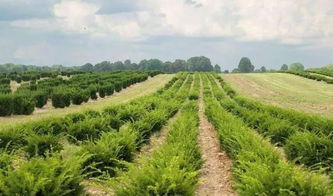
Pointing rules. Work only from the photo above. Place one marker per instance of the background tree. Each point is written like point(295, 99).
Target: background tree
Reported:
point(179, 65)
point(217, 68)
point(88, 67)
point(128, 64)
point(245, 65)
point(151, 64)
point(199, 64)
point(284, 67)
point(296, 67)
point(236, 70)
point(263, 69)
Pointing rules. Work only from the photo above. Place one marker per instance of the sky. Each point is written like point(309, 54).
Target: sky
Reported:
point(74, 32)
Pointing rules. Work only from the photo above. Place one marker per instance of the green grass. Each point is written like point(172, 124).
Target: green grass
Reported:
point(285, 90)
point(126, 95)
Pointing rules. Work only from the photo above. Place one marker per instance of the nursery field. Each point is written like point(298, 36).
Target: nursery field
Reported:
point(286, 90)
point(190, 134)
point(134, 91)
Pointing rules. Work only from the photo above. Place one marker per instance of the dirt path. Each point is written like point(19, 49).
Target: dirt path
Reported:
point(156, 140)
point(216, 174)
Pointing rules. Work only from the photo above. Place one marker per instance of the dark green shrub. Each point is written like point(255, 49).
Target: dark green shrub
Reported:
point(41, 145)
point(6, 104)
point(76, 117)
point(61, 98)
point(13, 138)
point(93, 92)
point(114, 122)
point(18, 79)
point(54, 126)
point(130, 112)
point(309, 149)
point(88, 129)
point(23, 104)
point(4, 81)
point(41, 98)
point(79, 96)
point(109, 89)
point(92, 114)
point(108, 150)
point(5, 89)
point(118, 86)
point(193, 96)
point(101, 91)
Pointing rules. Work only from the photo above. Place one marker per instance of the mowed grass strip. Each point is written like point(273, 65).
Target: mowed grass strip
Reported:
point(285, 90)
point(135, 91)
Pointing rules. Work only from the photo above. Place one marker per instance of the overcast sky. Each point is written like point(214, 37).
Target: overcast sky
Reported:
point(73, 32)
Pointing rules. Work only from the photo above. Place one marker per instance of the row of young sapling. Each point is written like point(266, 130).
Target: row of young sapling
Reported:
point(310, 75)
point(259, 167)
point(76, 90)
point(54, 156)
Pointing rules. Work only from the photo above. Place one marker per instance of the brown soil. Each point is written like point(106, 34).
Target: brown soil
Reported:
point(158, 139)
point(92, 188)
point(216, 174)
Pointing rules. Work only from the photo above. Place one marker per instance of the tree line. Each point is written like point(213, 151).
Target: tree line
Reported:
point(245, 66)
point(199, 63)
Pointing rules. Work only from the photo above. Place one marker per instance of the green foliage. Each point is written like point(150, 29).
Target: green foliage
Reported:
point(296, 67)
point(93, 92)
point(311, 150)
point(107, 153)
point(79, 96)
point(199, 63)
point(88, 129)
point(171, 170)
point(50, 176)
point(61, 98)
point(6, 105)
point(41, 145)
point(23, 104)
point(41, 98)
point(312, 76)
point(258, 168)
point(284, 67)
point(245, 65)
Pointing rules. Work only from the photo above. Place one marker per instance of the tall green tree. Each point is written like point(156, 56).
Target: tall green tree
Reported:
point(88, 67)
point(284, 67)
point(296, 67)
point(151, 64)
point(199, 63)
point(245, 65)
point(179, 65)
point(217, 68)
point(263, 69)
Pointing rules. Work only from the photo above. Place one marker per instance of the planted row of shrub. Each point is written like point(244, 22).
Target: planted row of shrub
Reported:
point(173, 168)
point(310, 149)
point(5, 89)
point(322, 72)
point(37, 94)
point(258, 168)
point(98, 147)
point(311, 76)
point(16, 104)
point(312, 123)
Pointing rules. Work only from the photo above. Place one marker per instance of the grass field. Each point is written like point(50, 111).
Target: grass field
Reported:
point(134, 91)
point(286, 90)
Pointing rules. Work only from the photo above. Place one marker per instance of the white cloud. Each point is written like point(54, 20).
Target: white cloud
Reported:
point(289, 22)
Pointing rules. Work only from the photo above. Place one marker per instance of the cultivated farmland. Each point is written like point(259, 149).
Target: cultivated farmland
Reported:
point(190, 134)
point(286, 90)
